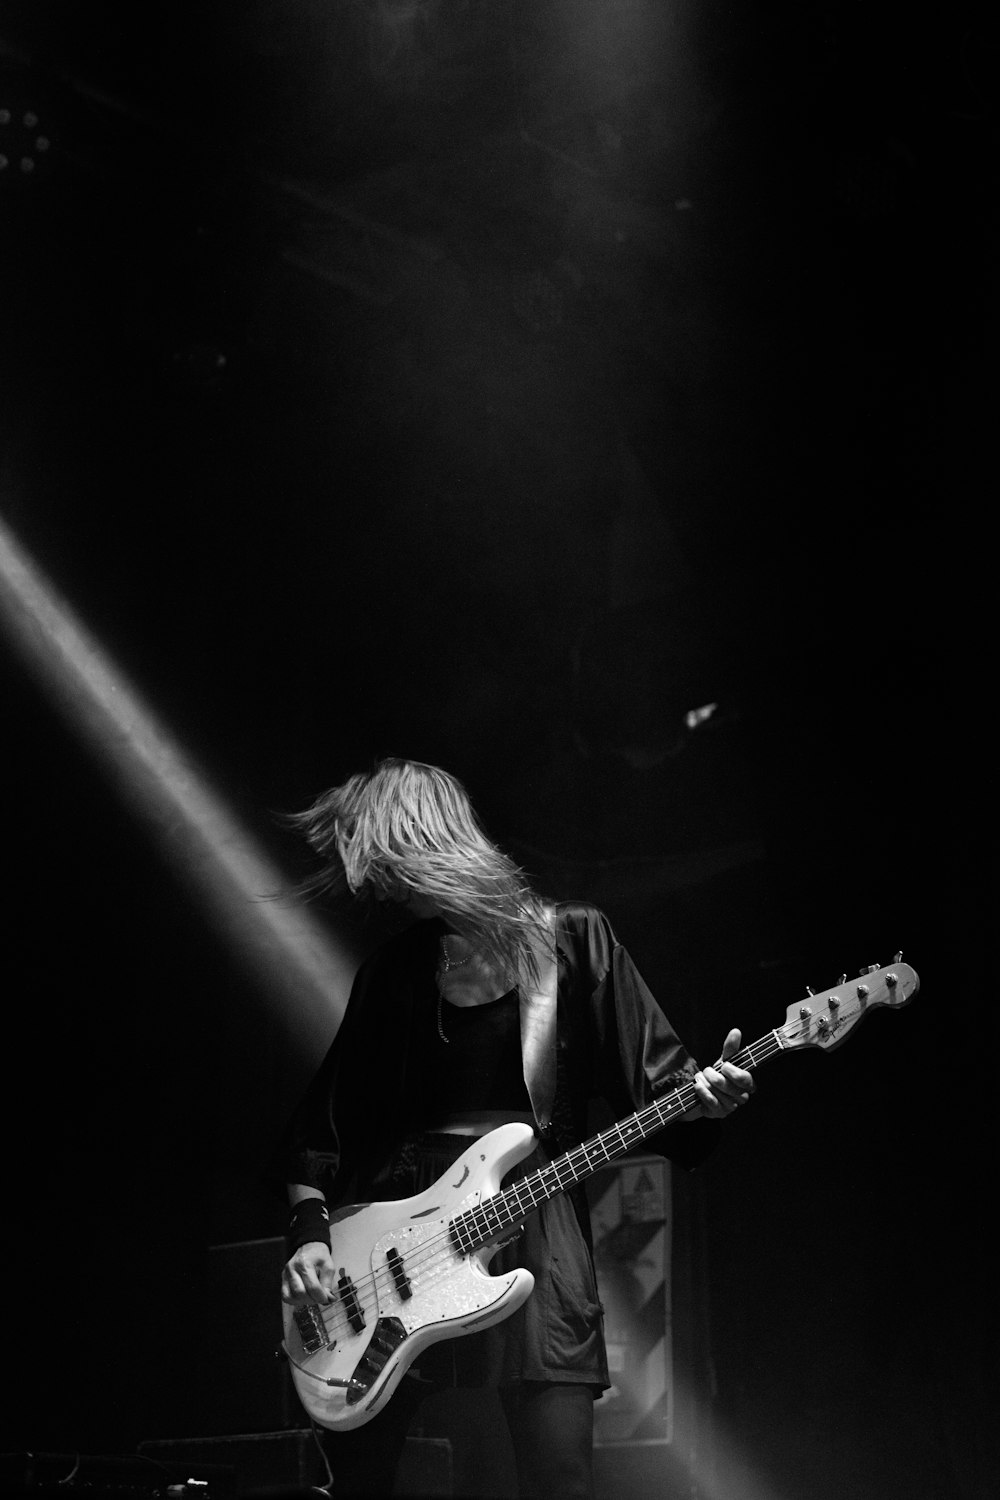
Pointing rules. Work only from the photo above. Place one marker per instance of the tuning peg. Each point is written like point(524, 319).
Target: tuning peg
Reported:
point(898, 957)
point(868, 969)
point(842, 979)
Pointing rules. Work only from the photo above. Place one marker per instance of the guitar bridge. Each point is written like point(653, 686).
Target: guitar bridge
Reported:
point(389, 1334)
point(311, 1328)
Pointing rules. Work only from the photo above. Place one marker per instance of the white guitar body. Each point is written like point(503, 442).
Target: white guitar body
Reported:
point(402, 1284)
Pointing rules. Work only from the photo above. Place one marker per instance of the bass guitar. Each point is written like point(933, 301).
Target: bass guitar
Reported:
point(414, 1271)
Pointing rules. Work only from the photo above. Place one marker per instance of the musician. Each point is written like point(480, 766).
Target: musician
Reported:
point(491, 1006)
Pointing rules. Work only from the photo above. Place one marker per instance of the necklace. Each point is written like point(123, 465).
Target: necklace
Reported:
point(444, 967)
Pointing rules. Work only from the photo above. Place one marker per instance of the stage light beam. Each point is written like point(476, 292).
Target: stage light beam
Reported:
point(289, 952)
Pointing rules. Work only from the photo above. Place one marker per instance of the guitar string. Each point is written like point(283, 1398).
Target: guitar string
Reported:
point(493, 1214)
point(506, 1209)
point(440, 1247)
point(483, 1219)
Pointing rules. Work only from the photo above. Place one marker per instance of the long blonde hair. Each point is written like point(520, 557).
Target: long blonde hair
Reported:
point(409, 828)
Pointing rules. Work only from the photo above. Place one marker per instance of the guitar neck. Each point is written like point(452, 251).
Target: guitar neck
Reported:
point(476, 1227)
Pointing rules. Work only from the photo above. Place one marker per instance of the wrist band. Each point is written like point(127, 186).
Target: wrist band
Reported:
point(310, 1221)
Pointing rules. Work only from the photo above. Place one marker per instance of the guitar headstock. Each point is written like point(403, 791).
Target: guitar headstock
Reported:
point(826, 1020)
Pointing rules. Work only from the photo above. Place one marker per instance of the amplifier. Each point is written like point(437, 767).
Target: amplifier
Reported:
point(240, 1382)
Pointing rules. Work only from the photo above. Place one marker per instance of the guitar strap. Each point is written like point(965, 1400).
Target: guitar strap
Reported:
point(538, 1028)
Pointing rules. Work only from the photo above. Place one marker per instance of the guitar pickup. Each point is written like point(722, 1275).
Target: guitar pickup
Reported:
point(397, 1270)
point(349, 1297)
point(311, 1328)
point(389, 1334)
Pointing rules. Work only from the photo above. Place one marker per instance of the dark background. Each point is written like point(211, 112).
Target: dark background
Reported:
point(493, 384)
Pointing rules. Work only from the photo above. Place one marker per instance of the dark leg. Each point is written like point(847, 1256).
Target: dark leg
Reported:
point(552, 1429)
point(364, 1461)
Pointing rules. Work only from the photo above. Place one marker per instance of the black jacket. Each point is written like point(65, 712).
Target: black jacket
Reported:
point(612, 1042)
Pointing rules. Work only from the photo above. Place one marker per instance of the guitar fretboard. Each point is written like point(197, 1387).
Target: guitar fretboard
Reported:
point(475, 1227)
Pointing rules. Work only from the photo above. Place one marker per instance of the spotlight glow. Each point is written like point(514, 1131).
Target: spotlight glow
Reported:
point(278, 939)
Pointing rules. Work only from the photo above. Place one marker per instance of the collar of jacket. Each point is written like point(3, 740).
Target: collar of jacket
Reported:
point(539, 1011)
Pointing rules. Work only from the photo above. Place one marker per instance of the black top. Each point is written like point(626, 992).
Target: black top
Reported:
point(478, 1068)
